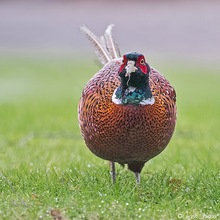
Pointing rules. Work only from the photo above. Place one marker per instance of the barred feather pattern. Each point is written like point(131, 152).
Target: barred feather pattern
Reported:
point(125, 133)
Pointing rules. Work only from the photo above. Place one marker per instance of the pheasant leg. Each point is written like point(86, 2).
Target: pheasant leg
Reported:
point(138, 177)
point(112, 171)
point(136, 167)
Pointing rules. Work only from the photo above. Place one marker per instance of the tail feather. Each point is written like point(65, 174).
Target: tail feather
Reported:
point(111, 45)
point(105, 47)
point(100, 50)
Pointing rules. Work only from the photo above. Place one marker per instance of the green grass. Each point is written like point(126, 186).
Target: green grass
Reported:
point(45, 165)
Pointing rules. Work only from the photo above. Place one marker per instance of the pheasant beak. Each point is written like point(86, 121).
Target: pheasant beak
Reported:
point(130, 68)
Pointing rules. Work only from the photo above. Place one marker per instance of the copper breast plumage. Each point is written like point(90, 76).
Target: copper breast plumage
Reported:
point(126, 133)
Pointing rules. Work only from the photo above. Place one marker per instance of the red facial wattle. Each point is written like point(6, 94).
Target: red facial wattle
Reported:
point(141, 63)
point(124, 62)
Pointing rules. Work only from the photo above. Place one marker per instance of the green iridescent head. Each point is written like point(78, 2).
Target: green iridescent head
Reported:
point(134, 88)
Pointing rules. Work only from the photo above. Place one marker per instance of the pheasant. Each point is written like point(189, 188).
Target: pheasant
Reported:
point(127, 110)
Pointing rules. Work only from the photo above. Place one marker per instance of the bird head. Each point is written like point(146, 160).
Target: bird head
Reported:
point(134, 75)
point(134, 71)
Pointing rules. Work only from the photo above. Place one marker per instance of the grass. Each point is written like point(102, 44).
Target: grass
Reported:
point(45, 165)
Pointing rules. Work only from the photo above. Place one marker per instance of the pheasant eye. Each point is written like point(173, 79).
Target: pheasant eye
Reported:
point(142, 61)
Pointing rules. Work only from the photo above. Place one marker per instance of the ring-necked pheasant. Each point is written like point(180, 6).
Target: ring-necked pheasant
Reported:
point(127, 111)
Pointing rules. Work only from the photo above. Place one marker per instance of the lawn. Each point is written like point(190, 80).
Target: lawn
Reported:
point(46, 169)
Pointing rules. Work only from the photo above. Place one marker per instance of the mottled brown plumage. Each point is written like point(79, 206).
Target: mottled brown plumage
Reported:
point(127, 134)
